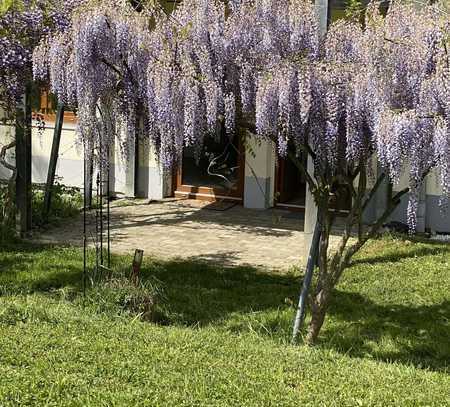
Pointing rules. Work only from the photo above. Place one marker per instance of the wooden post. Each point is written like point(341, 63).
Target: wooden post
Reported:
point(23, 165)
point(137, 262)
point(53, 160)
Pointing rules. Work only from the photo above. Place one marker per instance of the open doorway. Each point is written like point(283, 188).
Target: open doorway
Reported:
point(290, 189)
point(217, 174)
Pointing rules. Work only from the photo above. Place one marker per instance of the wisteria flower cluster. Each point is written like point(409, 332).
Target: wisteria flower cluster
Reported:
point(189, 87)
point(22, 26)
point(98, 66)
point(407, 83)
point(381, 88)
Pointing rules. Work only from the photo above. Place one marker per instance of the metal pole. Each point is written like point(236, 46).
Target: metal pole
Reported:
point(53, 160)
point(90, 176)
point(84, 224)
point(101, 167)
point(108, 211)
point(312, 259)
point(97, 254)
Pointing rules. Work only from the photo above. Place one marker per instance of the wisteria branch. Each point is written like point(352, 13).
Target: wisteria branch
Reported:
point(3, 161)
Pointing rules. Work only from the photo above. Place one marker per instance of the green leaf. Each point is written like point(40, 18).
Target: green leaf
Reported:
point(7, 5)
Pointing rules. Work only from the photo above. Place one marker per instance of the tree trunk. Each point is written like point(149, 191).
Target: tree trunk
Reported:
point(23, 165)
point(318, 311)
point(7, 226)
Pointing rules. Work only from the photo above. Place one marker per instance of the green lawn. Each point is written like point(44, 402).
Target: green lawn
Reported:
point(223, 335)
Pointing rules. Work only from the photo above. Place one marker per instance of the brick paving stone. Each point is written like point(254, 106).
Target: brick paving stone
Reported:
point(187, 229)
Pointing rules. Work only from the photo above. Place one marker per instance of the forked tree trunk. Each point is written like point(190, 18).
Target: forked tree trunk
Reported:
point(319, 307)
point(331, 269)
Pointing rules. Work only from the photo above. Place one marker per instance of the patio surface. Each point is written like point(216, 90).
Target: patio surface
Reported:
point(191, 229)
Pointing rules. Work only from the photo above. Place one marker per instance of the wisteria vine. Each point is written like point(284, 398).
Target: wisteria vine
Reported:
point(381, 88)
point(22, 26)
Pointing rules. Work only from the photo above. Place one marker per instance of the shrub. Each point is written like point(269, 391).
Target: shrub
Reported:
point(66, 203)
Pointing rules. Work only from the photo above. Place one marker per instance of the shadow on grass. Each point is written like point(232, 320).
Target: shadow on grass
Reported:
point(199, 293)
point(28, 268)
point(416, 335)
point(395, 256)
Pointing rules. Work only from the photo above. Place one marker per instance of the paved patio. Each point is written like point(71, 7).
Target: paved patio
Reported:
point(192, 229)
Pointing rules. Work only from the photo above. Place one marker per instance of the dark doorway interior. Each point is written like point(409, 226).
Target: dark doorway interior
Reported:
point(291, 185)
point(217, 172)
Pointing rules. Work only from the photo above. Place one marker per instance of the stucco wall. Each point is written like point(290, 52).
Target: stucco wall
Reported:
point(69, 169)
point(259, 182)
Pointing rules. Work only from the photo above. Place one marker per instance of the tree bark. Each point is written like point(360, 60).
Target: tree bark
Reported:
point(9, 207)
point(318, 311)
point(23, 165)
point(331, 270)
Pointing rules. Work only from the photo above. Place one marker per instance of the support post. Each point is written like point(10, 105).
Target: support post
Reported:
point(23, 165)
point(53, 160)
point(88, 177)
point(310, 212)
point(312, 227)
point(108, 208)
point(84, 225)
point(310, 205)
point(131, 171)
point(312, 260)
point(136, 269)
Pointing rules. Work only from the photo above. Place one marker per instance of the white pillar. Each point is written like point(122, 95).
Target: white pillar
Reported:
point(259, 181)
point(122, 171)
point(422, 209)
point(322, 14)
point(310, 211)
point(159, 181)
point(130, 173)
point(310, 205)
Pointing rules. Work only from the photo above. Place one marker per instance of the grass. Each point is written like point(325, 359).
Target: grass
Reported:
point(223, 339)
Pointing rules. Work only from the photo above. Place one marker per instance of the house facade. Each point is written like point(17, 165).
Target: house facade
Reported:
point(249, 174)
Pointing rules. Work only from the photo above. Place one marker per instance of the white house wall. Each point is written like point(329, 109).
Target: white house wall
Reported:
point(153, 182)
point(431, 213)
point(259, 183)
point(69, 168)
